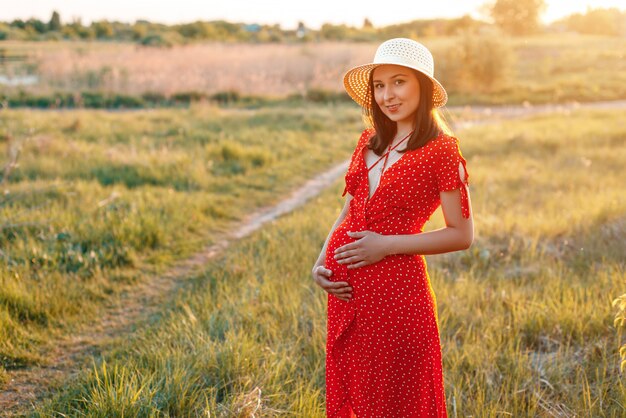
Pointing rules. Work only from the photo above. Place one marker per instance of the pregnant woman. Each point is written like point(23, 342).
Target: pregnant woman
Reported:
point(383, 352)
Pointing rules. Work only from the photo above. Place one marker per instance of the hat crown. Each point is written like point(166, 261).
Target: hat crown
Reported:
point(406, 52)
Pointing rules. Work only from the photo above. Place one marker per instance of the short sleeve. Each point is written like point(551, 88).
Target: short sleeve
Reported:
point(353, 174)
point(451, 170)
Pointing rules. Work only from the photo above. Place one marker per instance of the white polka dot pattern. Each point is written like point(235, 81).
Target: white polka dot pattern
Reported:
point(383, 353)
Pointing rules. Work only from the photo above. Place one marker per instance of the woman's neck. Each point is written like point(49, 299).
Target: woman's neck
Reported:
point(402, 130)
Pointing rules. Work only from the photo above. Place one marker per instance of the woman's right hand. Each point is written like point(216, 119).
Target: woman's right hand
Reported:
point(342, 290)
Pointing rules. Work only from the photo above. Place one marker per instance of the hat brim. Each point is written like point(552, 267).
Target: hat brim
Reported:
point(356, 81)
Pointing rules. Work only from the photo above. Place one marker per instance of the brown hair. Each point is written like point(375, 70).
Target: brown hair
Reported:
point(428, 120)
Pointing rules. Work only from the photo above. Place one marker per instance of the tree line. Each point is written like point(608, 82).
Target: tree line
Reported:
point(513, 17)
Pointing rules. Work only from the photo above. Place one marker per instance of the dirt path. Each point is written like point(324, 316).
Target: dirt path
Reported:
point(71, 354)
point(468, 116)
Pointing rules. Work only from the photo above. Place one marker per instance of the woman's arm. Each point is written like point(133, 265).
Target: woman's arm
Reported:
point(458, 234)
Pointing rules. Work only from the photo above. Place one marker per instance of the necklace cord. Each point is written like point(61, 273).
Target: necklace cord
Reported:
point(386, 155)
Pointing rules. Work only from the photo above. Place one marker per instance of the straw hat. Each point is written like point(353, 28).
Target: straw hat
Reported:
point(398, 51)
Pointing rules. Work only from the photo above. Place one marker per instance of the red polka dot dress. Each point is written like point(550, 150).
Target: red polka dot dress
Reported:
point(383, 353)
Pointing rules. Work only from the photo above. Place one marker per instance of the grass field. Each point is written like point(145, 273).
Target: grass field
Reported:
point(541, 69)
point(525, 313)
point(101, 201)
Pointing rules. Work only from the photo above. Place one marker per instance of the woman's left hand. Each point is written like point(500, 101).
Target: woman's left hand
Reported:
point(369, 248)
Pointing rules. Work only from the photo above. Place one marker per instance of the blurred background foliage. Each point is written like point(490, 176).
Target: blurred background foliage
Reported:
point(514, 17)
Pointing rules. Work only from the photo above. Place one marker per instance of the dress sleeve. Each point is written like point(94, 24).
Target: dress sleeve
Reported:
point(452, 171)
point(352, 174)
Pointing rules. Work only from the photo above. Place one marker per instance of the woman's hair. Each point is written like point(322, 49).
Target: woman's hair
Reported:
point(429, 121)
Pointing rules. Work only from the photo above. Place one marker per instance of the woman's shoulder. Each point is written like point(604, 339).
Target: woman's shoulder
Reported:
point(365, 136)
point(446, 138)
point(445, 143)
point(368, 133)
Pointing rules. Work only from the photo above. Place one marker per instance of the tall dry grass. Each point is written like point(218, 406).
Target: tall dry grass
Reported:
point(475, 69)
point(271, 69)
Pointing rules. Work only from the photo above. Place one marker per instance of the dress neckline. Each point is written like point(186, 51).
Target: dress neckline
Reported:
point(380, 182)
point(391, 166)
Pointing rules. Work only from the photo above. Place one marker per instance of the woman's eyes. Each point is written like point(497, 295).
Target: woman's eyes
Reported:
point(379, 85)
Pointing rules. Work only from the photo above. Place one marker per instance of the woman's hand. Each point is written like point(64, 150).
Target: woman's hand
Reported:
point(342, 290)
point(369, 249)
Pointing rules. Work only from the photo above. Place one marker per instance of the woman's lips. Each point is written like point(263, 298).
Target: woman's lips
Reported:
point(393, 108)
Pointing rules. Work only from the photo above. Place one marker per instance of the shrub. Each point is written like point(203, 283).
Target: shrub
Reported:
point(162, 40)
point(233, 158)
point(154, 97)
point(93, 100)
point(317, 95)
point(123, 101)
point(188, 97)
point(477, 63)
point(226, 97)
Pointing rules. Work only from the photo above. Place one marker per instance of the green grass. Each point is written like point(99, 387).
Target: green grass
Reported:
point(526, 316)
point(100, 201)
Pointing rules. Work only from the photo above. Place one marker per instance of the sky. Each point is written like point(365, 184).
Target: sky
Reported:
point(287, 13)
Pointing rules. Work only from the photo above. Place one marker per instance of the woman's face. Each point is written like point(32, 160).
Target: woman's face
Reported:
point(397, 92)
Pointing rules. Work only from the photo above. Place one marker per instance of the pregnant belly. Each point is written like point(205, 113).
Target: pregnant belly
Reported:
point(396, 271)
point(337, 239)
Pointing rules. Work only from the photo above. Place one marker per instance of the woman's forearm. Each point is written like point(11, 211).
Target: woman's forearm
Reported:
point(439, 241)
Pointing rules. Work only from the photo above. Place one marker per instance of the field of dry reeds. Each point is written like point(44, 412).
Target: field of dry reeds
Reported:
point(548, 68)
